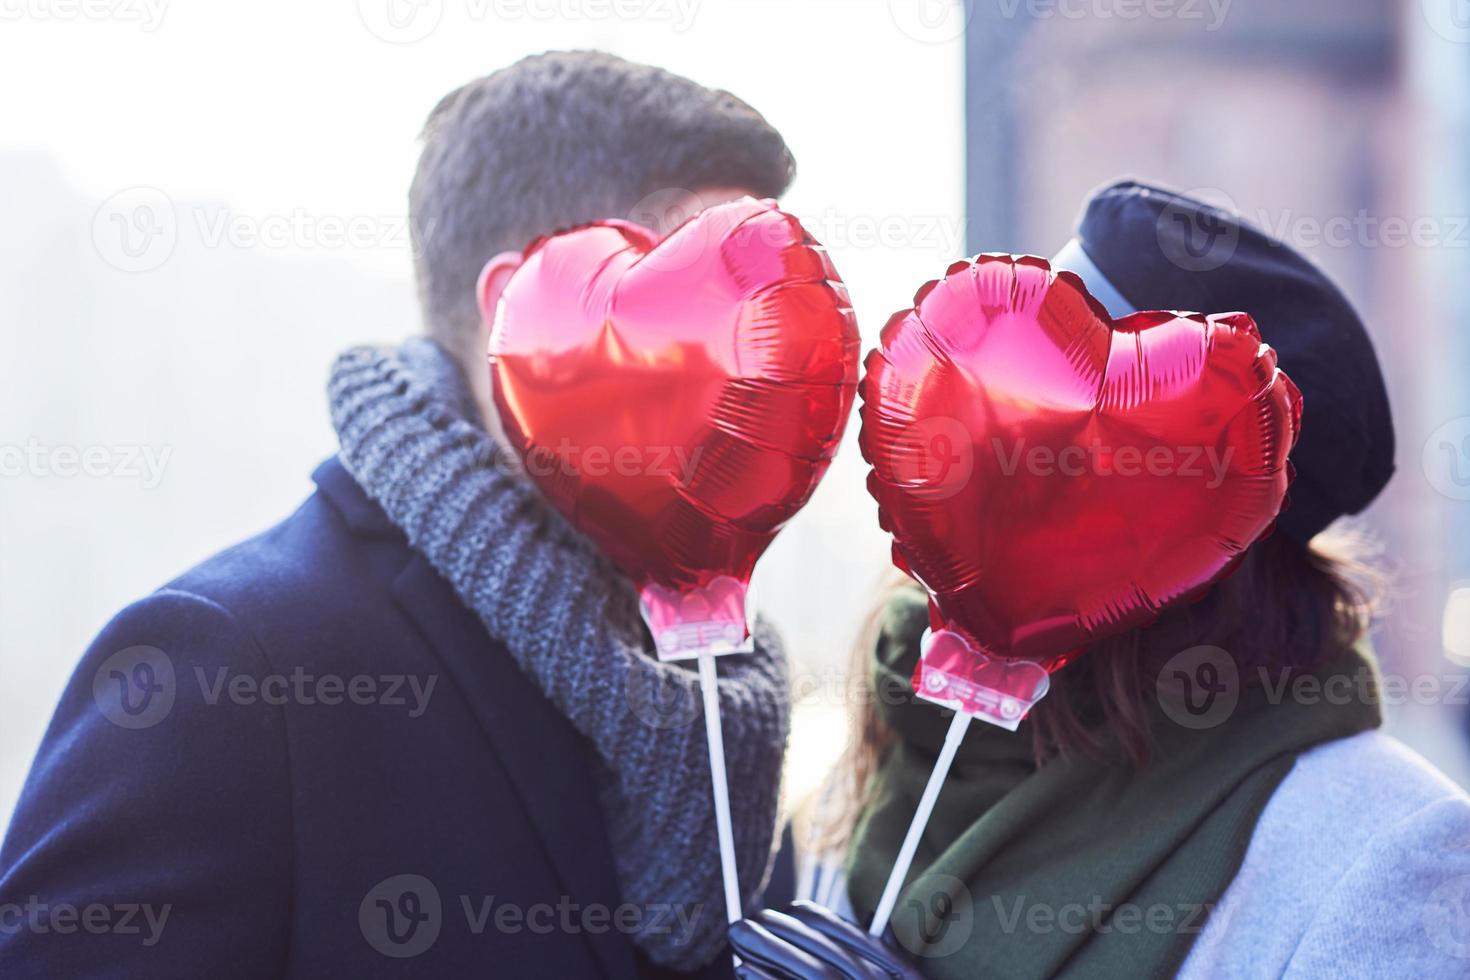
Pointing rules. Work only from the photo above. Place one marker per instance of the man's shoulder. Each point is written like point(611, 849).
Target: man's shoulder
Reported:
point(293, 557)
point(327, 570)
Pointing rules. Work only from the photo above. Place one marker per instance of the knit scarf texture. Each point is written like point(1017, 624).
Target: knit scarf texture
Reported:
point(1080, 868)
point(410, 435)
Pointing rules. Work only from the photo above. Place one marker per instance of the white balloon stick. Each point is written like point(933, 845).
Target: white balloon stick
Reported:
point(708, 684)
point(916, 828)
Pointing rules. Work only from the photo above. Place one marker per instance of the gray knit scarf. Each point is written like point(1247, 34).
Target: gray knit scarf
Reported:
point(410, 435)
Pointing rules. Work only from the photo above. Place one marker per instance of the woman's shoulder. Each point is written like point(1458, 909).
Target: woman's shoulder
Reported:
point(1382, 774)
point(1350, 869)
point(1351, 800)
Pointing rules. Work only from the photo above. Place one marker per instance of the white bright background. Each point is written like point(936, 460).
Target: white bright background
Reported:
point(252, 137)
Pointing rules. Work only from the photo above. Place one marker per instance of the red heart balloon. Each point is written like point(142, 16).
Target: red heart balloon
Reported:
point(1053, 476)
point(677, 400)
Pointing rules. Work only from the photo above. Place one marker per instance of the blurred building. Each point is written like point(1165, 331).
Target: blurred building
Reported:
point(1342, 126)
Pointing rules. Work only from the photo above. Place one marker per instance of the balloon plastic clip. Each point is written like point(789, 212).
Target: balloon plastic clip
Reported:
point(712, 619)
point(951, 672)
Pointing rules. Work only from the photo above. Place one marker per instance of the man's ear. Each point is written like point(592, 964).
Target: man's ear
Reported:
point(488, 287)
point(491, 284)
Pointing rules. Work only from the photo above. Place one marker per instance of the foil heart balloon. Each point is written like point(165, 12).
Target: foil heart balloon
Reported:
point(678, 400)
point(1053, 476)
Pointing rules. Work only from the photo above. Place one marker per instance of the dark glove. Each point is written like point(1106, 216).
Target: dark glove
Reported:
point(807, 941)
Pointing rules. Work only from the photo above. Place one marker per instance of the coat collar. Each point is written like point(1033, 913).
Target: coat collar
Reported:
point(523, 729)
point(549, 762)
point(361, 513)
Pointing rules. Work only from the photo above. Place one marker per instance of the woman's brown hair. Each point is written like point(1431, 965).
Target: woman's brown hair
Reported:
point(1285, 608)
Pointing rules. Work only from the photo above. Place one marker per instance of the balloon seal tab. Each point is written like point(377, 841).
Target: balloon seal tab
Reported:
point(953, 673)
point(710, 619)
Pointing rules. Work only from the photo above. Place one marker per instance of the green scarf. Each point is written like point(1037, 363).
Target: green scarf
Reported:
point(1079, 868)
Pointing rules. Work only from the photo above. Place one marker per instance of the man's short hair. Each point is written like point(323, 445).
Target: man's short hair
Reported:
point(557, 140)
